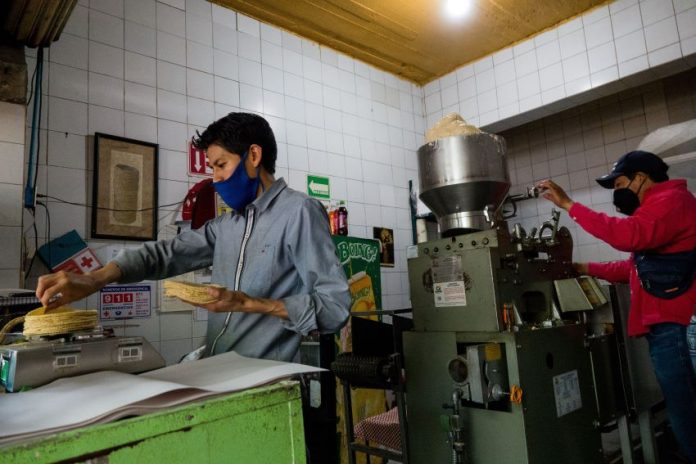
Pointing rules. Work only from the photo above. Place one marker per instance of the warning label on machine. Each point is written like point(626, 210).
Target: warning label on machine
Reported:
point(450, 293)
point(449, 284)
point(566, 390)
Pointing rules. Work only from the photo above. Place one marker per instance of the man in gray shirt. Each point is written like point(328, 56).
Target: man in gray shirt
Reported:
point(273, 255)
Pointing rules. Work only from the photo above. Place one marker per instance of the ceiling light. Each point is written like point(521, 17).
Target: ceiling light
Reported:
point(456, 9)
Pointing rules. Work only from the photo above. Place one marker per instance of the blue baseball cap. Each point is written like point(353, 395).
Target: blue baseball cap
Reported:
point(636, 161)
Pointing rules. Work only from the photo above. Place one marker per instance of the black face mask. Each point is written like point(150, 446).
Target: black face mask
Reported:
point(626, 200)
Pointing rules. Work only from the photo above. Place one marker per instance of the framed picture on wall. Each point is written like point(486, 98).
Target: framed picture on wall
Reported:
point(386, 245)
point(124, 201)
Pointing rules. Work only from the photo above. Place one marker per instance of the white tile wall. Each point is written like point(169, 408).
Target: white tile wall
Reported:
point(582, 143)
point(144, 70)
point(140, 12)
point(158, 70)
point(12, 136)
point(585, 58)
point(106, 59)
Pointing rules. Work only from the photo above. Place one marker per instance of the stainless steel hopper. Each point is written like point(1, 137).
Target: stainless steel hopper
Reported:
point(462, 177)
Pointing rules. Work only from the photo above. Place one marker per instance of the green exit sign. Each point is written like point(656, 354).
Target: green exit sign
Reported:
point(318, 187)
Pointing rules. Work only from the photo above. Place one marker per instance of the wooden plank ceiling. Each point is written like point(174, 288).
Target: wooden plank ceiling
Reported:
point(35, 23)
point(413, 38)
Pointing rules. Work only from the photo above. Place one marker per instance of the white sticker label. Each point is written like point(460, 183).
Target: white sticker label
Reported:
point(412, 252)
point(566, 390)
point(447, 269)
point(314, 393)
point(449, 293)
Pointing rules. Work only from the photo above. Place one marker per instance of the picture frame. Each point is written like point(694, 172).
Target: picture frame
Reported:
point(124, 189)
point(385, 236)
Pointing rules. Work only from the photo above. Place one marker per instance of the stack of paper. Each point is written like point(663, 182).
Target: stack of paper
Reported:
point(106, 396)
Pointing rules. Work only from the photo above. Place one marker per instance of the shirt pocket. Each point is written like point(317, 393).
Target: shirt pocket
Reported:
point(259, 273)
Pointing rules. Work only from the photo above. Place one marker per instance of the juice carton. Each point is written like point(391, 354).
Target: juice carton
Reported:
point(362, 294)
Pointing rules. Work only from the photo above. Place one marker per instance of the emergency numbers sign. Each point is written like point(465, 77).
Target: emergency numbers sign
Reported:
point(125, 302)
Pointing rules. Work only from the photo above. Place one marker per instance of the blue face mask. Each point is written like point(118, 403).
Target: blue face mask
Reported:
point(239, 189)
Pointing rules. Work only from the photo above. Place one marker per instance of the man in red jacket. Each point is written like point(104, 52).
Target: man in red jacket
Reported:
point(660, 233)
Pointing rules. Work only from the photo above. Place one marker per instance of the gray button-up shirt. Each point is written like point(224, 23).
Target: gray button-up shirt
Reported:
point(280, 249)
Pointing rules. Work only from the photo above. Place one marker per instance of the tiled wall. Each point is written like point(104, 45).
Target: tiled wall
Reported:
point(578, 145)
point(11, 191)
point(158, 70)
point(594, 54)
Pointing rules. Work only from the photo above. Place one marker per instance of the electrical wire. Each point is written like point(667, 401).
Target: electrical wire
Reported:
point(60, 200)
point(512, 201)
point(38, 137)
point(33, 79)
point(30, 188)
point(36, 245)
point(48, 224)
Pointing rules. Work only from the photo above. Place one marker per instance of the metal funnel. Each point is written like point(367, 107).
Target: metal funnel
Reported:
point(462, 176)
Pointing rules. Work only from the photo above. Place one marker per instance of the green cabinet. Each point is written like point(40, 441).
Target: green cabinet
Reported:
point(260, 425)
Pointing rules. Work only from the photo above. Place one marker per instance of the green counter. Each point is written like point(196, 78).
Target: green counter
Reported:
point(260, 425)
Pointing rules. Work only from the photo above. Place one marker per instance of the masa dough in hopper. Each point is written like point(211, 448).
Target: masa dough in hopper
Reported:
point(448, 126)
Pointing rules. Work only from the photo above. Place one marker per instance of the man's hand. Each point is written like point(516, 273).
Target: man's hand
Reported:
point(581, 268)
point(239, 302)
point(555, 194)
point(62, 287)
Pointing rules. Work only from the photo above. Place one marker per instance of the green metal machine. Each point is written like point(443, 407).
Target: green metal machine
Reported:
point(495, 373)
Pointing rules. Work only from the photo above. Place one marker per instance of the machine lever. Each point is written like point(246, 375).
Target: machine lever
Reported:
point(552, 225)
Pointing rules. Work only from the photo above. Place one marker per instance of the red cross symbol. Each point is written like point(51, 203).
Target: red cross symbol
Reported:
point(86, 262)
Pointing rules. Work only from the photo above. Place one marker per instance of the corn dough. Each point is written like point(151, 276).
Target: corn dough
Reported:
point(448, 126)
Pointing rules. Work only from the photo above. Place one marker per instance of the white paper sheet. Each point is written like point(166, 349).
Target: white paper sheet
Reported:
point(103, 396)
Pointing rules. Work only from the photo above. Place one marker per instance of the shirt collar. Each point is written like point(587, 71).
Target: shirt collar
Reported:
point(666, 185)
point(264, 201)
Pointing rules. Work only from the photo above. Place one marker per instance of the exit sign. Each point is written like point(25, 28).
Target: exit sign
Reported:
point(318, 187)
